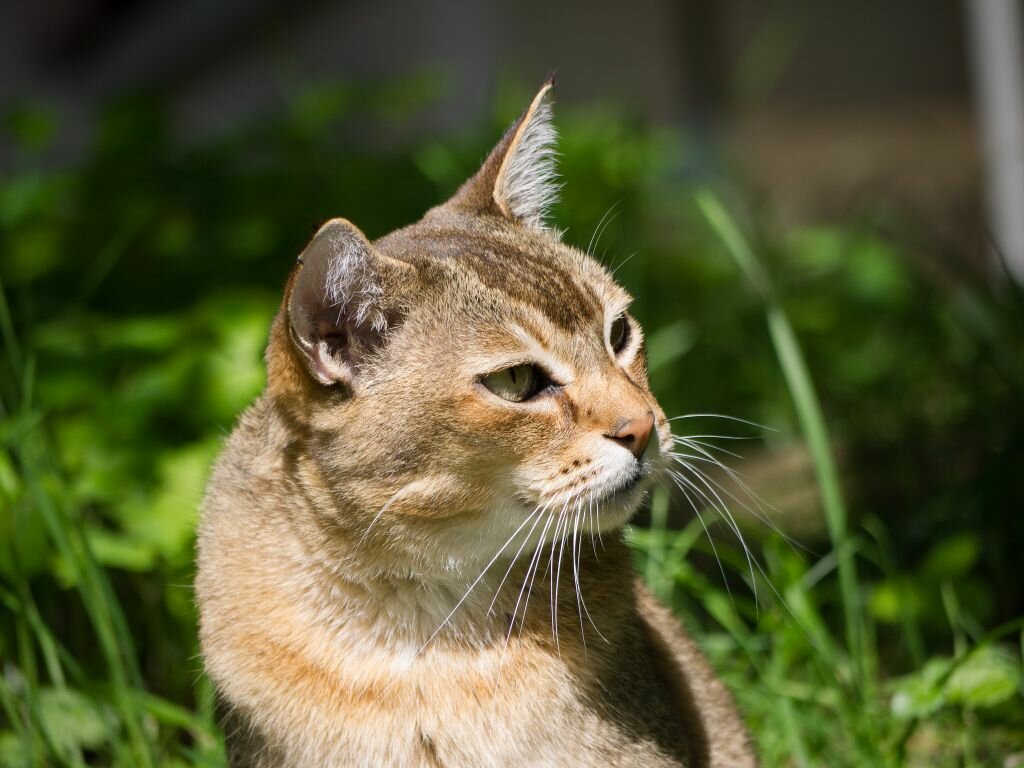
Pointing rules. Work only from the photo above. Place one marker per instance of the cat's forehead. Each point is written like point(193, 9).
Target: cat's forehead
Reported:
point(509, 270)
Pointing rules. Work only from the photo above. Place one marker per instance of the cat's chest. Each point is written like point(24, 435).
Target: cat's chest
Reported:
point(516, 706)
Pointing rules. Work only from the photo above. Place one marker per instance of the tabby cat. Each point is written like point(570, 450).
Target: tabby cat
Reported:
point(410, 551)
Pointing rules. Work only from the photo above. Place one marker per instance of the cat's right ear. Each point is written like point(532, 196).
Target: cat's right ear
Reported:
point(339, 308)
point(517, 180)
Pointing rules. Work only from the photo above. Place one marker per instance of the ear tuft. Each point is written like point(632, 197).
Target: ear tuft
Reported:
point(337, 308)
point(518, 179)
point(349, 281)
point(526, 186)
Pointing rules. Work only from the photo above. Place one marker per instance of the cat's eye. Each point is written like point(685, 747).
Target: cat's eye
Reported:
point(518, 383)
point(619, 333)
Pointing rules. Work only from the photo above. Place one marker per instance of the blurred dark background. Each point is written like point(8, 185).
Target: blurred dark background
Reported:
point(162, 163)
point(824, 104)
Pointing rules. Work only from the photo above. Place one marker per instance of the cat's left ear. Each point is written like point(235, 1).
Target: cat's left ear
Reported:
point(342, 301)
point(518, 178)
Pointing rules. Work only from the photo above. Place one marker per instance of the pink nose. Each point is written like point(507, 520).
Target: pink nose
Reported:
point(634, 434)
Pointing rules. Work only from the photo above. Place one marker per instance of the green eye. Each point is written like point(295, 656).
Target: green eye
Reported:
point(618, 335)
point(516, 384)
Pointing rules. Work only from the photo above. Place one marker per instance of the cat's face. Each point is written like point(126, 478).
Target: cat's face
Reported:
point(470, 381)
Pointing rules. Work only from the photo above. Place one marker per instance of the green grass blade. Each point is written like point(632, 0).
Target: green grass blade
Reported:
point(100, 607)
point(658, 569)
point(808, 409)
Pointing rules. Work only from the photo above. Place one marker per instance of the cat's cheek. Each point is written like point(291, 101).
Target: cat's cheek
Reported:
point(476, 415)
point(516, 425)
point(637, 370)
point(664, 428)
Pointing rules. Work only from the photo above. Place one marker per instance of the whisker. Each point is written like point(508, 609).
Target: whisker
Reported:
point(558, 578)
point(473, 585)
point(592, 516)
point(622, 263)
point(733, 474)
point(576, 572)
point(759, 504)
point(515, 558)
point(533, 577)
point(779, 597)
point(727, 514)
point(717, 437)
point(687, 486)
point(376, 517)
point(599, 229)
point(706, 458)
point(583, 602)
point(691, 443)
point(707, 532)
point(710, 504)
point(532, 567)
point(723, 416)
point(548, 569)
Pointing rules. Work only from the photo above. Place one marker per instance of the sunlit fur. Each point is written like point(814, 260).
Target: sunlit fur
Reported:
point(399, 567)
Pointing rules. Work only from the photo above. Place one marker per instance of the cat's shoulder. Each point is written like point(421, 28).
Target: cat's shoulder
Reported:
point(704, 701)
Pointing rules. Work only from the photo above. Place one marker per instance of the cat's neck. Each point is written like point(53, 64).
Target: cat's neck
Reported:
point(552, 591)
point(300, 555)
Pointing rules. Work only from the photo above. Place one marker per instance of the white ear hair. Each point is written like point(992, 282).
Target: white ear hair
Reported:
point(337, 273)
point(335, 306)
point(526, 187)
point(349, 282)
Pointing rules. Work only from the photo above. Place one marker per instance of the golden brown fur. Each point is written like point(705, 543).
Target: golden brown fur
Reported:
point(398, 567)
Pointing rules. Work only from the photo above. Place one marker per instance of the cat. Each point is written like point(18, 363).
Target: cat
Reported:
point(456, 419)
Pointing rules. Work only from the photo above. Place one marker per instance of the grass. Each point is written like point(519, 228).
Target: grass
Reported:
point(892, 640)
point(805, 401)
point(816, 696)
point(51, 717)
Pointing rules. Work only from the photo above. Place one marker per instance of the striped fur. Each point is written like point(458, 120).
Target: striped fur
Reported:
point(397, 567)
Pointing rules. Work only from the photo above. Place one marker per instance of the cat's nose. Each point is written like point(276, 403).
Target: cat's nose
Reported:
point(634, 434)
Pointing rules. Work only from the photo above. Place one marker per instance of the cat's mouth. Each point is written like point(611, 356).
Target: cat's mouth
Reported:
point(631, 483)
point(607, 501)
point(617, 504)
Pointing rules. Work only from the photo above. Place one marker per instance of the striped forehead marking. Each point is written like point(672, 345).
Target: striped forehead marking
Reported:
point(537, 281)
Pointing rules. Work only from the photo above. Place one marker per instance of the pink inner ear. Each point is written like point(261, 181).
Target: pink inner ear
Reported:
point(327, 365)
point(333, 333)
point(331, 347)
point(338, 344)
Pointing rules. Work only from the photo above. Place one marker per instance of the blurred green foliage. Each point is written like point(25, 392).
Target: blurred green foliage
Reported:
point(136, 291)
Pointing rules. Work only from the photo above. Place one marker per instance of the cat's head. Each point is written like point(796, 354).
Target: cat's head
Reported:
point(463, 378)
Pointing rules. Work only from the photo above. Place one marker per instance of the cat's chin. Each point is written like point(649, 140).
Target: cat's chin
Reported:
point(615, 509)
point(608, 511)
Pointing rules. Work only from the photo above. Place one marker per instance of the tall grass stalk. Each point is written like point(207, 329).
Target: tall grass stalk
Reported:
point(102, 607)
point(809, 413)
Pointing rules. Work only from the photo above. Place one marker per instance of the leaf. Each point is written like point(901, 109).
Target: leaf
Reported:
point(32, 126)
point(10, 484)
point(669, 343)
point(233, 368)
point(73, 721)
point(32, 253)
point(12, 750)
point(820, 248)
point(155, 334)
point(989, 677)
point(119, 551)
point(166, 519)
point(920, 694)
point(952, 557)
point(876, 274)
point(24, 545)
point(895, 599)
